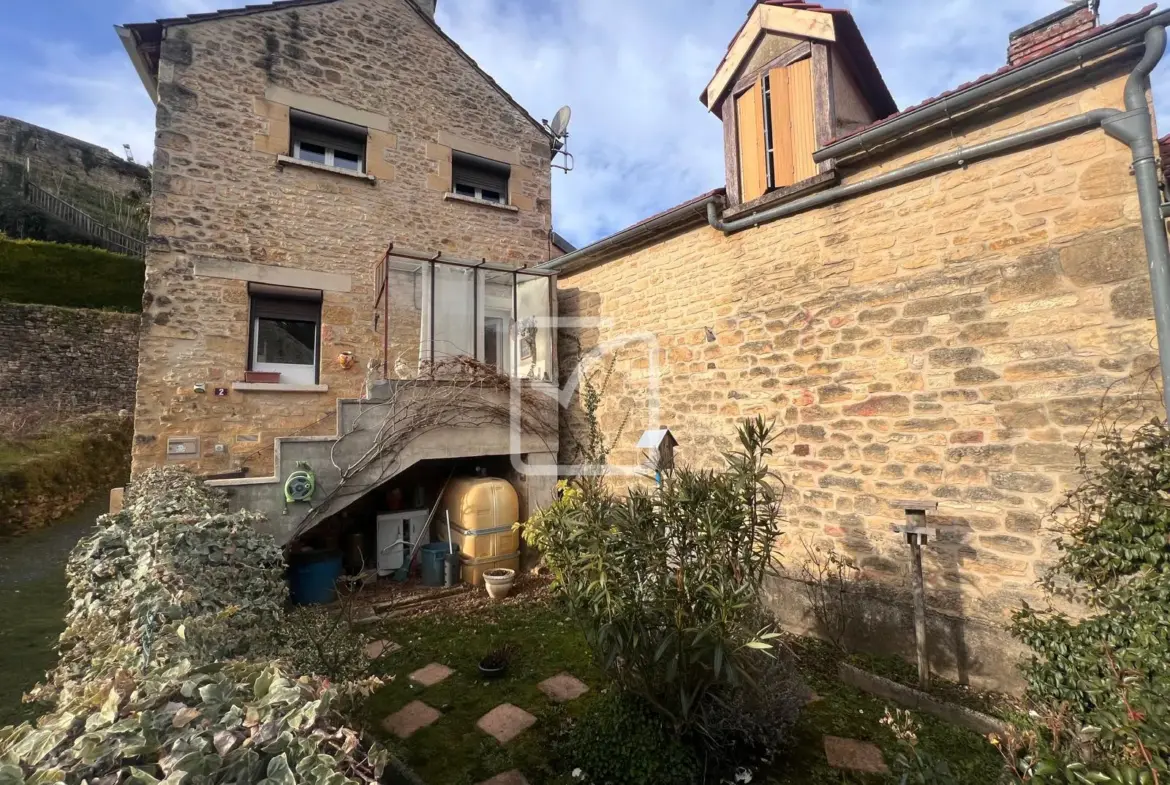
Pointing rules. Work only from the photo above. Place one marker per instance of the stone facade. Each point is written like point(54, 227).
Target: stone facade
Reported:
point(951, 339)
point(74, 359)
point(228, 209)
point(58, 161)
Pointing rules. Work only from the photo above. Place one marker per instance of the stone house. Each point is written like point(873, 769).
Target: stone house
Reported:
point(317, 162)
point(937, 304)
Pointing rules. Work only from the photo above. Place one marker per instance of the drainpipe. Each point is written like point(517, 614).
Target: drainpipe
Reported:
point(958, 158)
point(1134, 127)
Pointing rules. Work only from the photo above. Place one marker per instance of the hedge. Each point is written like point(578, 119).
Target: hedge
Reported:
point(70, 276)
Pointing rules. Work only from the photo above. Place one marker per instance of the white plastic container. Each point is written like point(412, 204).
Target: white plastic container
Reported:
point(397, 532)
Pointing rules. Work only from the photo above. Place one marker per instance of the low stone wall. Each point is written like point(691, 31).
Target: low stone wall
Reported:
point(82, 360)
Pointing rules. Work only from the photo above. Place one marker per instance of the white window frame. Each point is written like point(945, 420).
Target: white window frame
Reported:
point(330, 152)
point(479, 194)
point(290, 373)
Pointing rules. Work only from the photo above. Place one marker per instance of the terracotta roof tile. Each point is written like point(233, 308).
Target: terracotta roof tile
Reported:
point(1084, 36)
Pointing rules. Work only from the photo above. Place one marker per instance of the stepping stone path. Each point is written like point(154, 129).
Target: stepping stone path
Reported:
point(854, 755)
point(507, 778)
point(505, 722)
point(375, 649)
point(563, 687)
point(431, 675)
point(415, 716)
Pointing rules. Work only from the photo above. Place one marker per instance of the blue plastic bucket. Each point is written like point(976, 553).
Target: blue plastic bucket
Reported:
point(434, 558)
point(313, 577)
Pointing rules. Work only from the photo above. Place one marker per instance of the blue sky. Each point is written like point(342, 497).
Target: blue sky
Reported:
point(631, 69)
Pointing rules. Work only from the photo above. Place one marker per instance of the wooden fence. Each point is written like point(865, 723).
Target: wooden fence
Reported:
point(109, 238)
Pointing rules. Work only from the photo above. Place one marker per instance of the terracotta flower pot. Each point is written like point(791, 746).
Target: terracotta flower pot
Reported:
point(499, 582)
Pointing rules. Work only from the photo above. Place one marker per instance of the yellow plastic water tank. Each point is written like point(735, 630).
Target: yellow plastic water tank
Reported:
point(483, 512)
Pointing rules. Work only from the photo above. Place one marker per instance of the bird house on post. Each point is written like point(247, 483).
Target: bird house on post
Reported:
point(659, 445)
point(918, 534)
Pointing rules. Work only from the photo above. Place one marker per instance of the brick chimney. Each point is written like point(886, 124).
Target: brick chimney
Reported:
point(1053, 32)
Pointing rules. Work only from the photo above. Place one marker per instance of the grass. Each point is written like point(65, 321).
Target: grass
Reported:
point(70, 276)
point(453, 751)
point(31, 617)
point(50, 469)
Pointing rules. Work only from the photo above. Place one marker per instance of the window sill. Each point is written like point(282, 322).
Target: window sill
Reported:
point(511, 208)
point(282, 388)
point(781, 195)
point(288, 160)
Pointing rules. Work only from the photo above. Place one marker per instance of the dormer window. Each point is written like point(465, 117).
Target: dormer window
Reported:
point(795, 77)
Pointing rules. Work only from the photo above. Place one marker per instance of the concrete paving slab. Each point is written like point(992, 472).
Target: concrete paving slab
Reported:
point(505, 722)
point(430, 675)
point(563, 687)
point(854, 755)
point(411, 718)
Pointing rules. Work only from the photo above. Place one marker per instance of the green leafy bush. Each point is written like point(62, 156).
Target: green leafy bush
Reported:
point(170, 669)
point(70, 276)
point(667, 583)
point(172, 576)
point(1106, 676)
point(622, 741)
point(323, 641)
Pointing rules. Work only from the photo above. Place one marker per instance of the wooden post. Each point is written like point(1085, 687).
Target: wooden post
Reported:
point(917, 534)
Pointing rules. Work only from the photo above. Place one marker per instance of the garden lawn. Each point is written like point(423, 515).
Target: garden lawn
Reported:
point(452, 751)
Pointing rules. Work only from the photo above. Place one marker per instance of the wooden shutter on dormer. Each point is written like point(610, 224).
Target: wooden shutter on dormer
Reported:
point(753, 168)
point(794, 136)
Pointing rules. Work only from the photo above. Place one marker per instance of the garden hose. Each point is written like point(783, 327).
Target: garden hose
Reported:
point(300, 485)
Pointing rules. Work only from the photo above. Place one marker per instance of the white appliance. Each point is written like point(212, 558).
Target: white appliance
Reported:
point(397, 533)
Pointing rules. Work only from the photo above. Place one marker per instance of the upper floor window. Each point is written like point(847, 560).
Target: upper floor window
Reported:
point(776, 124)
point(479, 178)
point(322, 140)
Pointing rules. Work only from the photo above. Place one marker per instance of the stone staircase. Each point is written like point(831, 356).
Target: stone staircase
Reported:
point(361, 452)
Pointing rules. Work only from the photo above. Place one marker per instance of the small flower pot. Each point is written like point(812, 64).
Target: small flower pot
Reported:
point(499, 582)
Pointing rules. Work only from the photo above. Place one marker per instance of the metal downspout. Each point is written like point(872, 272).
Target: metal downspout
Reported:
point(957, 158)
point(1134, 127)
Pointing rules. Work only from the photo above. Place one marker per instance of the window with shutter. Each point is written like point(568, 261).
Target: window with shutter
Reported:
point(776, 125)
point(479, 178)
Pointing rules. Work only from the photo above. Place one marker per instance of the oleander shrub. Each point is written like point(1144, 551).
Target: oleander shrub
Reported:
point(667, 582)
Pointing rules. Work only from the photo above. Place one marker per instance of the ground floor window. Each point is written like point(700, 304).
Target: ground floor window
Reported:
point(285, 333)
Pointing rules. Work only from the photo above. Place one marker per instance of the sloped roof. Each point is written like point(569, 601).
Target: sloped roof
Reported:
point(1007, 69)
point(149, 34)
point(849, 41)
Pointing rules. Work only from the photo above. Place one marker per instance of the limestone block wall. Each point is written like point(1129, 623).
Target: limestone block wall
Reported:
point(70, 358)
point(952, 339)
point(226, 211)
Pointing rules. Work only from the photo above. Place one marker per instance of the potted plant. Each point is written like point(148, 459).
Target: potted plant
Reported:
point(495, 664)
point(499, 582)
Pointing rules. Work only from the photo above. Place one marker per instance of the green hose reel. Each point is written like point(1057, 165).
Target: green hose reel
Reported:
point(300, 485)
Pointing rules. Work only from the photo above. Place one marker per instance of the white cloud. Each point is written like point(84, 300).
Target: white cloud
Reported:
point(632, 72)
point(96, 98)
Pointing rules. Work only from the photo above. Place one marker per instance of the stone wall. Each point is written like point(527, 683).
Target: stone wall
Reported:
point(952, 339)
point(58, 161)
point(226, 210)
point(81, 360)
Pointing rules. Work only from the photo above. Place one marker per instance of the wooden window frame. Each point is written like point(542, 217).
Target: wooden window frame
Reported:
point(823, 108)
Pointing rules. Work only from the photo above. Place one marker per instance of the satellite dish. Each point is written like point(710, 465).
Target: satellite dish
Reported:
point(560, 122)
